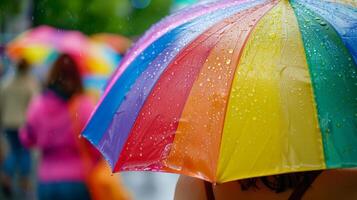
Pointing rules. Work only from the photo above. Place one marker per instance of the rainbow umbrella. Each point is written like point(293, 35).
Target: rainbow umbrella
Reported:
point(117, 42)
point(233, 89)
point(179, 4)
point(35, 45)
point(41, 46)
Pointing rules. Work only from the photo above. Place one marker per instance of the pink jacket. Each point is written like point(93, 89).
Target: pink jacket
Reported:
point(50, 128)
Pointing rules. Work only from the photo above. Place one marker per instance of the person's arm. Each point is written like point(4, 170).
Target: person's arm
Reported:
point(28, 133)
point(27, 136)
point(1, 108)
point(189, 188)
point(1, 129)
point(35, 87)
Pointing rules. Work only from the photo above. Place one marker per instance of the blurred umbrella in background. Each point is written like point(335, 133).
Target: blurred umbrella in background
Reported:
point(233, 89)
point(41, 46)
point(119, 43)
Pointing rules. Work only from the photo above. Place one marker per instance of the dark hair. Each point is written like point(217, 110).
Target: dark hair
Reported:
point(299, 181)
point(23, 66)
point(64, 77)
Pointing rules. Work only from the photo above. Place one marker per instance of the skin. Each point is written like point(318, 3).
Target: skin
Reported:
point(330, 185)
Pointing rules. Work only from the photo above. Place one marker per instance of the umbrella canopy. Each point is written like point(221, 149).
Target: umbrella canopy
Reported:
point(117, 42)
point(179, 4)
point(41, 46)
point(233, 89)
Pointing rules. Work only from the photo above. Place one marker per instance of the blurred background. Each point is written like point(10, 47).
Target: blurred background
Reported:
point(30, 30)
point(129, 18)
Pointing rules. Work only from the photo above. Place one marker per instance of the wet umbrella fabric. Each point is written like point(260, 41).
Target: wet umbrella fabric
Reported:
point(233, 89)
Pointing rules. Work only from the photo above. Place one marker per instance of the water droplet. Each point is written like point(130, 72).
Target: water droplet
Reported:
point(323, 23)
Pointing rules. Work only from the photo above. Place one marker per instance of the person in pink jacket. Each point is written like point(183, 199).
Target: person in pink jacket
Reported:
point(53, 124)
